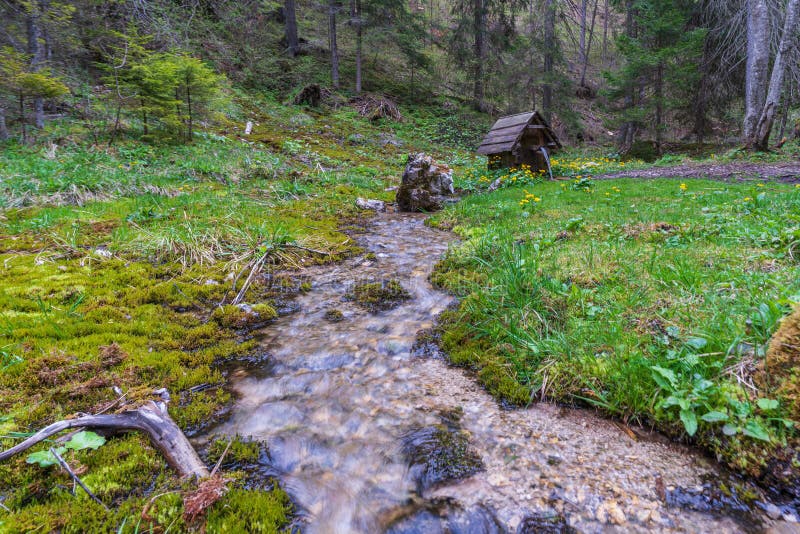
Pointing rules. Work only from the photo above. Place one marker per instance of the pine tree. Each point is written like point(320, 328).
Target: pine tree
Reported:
point(17, 79)
point(660, 61)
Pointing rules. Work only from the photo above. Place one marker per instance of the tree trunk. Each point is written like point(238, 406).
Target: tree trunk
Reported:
point(479, 27)
point(152, 419)
point(292, 41)
point(788, 40)
point(333, 43)
point(627, 132)
point(588, 46)
point(582, 36)
point(190, 129)
point(606, 14)
point(549, 57)
point(22, 118)
point(659, 96)
point(355, 16)
point(3, 129)
point(35, 53)
point(757, 65)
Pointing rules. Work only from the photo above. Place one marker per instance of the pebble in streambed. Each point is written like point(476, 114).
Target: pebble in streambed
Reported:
point(354, 421)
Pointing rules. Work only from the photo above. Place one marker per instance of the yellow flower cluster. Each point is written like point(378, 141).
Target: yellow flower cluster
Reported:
point(684, 187)
point(529, 197)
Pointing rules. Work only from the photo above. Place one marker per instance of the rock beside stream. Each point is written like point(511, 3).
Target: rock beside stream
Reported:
point(438, 454)
point(426, 184)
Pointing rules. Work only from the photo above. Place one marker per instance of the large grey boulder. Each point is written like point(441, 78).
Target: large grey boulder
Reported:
point(425, 186)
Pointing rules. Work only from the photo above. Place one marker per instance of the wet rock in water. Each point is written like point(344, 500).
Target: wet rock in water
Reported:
point(445, 517)
point(438, 454)
point(425, 186)
point(334, 316)
point(379, 296)
point(728, 498)
point(545, 524)
point(370, 204)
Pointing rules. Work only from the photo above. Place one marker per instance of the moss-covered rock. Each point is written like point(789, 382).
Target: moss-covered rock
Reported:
point(439, 454)
point(334, 316)
point(379, 296)
point(781, 370)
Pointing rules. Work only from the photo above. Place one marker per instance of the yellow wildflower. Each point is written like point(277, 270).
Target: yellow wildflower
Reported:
point(684, 187)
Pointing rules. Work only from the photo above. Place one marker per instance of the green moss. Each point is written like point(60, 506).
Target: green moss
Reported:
point(377, 296)
point(241, 451)
point(241, 317)
point(249, 511)
point(334, 315)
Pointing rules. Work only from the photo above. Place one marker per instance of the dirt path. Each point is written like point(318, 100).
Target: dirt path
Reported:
point(784, 172)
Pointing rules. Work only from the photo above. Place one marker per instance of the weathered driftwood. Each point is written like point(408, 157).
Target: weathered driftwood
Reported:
point(151, 418)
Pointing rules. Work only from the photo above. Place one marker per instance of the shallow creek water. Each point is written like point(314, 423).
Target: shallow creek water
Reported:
point(339, 399)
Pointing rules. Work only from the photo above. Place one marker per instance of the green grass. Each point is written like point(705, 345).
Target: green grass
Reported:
point(647, 299)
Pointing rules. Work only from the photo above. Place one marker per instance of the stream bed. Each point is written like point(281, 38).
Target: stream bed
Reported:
point(368, 436)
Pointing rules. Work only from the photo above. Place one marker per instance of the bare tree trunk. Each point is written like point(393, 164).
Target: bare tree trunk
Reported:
point(479, 27)
point(582, 36)
point(355, 16)
point(22, 118)
point(292, 41)
point(35, 53)
point(788, 41)
point(190, 130)
point(757, 65)
point(334, 45)
point(549, 57)
point(627, 132)
point(3, 129)
point(606, 14)
point(659, 96)
point(588, 46)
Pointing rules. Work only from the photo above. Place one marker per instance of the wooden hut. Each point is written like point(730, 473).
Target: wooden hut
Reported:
point(519, 139)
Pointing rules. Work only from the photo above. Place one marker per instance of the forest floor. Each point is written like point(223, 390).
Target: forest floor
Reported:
point(120, 267)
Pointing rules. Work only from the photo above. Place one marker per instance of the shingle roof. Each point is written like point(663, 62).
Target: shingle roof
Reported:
point(507, 131)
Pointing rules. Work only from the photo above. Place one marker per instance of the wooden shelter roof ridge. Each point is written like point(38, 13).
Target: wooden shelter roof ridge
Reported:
point(507, 132)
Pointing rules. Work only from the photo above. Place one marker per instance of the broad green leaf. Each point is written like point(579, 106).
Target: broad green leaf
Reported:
point(85, 440)
point(661, 373)
point(730, 430)
point(689, 420)
point(673, 331)
point(44, 458)
point(714, 417)
point(696, 343)
point(754, 430)
point(767, 404)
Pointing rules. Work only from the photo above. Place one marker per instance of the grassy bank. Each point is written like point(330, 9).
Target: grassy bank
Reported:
point(651, 300)
point(119, 266)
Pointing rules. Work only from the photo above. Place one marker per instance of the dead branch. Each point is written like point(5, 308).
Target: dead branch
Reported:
point(63, 463)
point(151, 418)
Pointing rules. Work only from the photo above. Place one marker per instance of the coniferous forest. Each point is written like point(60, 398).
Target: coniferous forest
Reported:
point(388, 266)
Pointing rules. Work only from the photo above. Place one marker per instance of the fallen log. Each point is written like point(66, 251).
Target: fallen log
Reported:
point(151, 418)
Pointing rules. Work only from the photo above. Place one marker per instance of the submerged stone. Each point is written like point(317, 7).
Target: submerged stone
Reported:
point(447, 518)
point(439, 454)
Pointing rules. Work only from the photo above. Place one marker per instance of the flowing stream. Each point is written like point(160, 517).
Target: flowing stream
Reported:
point(342, 403)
